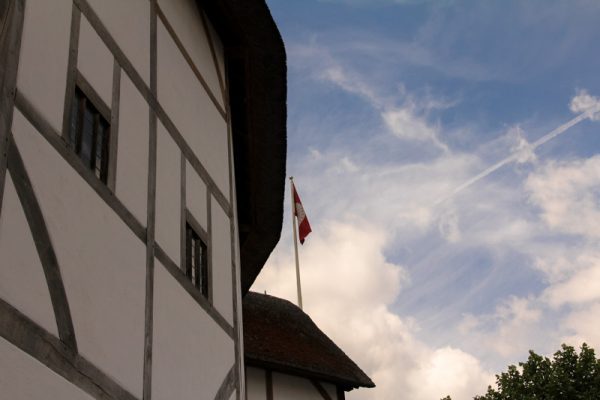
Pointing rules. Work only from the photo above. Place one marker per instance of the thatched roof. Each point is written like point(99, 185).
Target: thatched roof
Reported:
point(281, 337)
point(256, 73)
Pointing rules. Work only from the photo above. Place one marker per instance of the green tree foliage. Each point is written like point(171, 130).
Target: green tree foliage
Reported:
point(567, 376)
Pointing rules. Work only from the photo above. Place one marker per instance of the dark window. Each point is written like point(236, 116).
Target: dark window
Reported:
point(196, 267)
point(89, 134)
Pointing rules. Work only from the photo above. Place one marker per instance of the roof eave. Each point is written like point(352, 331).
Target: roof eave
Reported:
point(345, 384)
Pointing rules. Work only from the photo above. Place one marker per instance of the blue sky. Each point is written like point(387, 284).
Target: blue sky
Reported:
point(392, 105)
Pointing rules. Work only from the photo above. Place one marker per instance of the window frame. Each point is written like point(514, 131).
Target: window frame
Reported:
point(83, 92)
point(198, 274)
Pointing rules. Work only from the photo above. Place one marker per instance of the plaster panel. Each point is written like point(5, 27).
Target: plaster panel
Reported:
point(331, 389)
point(221, 262)
point(128, 22)
point(168, 194)
point(22, 280)
point(192, 111)
point(256, 388)
point(24, 378)
point(191, 354)
point(132, 152)
point(195, 193)
point(290, 387)
point(95, 61)
point(184, 17)
point(219, 52)
point(102, 261)
point(42, 74)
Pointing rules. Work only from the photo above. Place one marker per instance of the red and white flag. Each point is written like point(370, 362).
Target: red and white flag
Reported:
point(303, 224)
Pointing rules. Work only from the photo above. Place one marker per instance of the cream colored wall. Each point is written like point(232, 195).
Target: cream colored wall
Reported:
point(22, 269)
point(184, 16)
point(195, 193)
point(44, 54)
point(23, 378)
point(132, 152)
point(128, 22)
point(168, 194)
point(95, 61)
point(284, 386)
point(191, 355)
point(256, 388)
point(102, 262)
point(189, 106)
point(205, 130)
point(290, 387)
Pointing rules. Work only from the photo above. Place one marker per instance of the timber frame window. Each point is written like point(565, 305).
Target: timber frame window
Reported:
point(89, 134)
point(196, 260)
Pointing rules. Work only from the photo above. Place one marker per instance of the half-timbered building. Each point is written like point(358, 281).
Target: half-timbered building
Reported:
point(288, 357)
point(142, 166)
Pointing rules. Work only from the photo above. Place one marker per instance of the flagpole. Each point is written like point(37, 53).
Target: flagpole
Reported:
point(298, 287)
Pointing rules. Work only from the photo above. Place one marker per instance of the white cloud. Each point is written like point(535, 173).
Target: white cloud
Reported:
point(521, 148)
point(348, 287)
point(585, 327)
point(407, 121)
point(568, 195)
point(406, 124)
point(337, 75)
point(361, 211)
point(448, 371)
point(397, 198)
point(509, 331)
point(583, 102)
point(582, 287)
point(448, 226)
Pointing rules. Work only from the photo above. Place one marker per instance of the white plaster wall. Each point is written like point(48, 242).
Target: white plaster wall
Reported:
point(195, 194)
point(102, 262)
point(42, 74)
point(219, 52)
point(191, 354)
point(256, 388)
point(22, 280)
point(132, 152)
point(184, 17)
point(221, 262)
point(331, 389)
point(191, 110)
point(290, 387)
point(168, 194)
point(128, 22)
point(24, 378)
point(95, 61)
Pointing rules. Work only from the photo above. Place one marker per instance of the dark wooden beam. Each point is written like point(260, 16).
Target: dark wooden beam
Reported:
point(43, 244)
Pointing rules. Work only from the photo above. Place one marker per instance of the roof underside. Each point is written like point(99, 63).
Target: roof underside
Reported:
point(256, 74)
point(280, 336)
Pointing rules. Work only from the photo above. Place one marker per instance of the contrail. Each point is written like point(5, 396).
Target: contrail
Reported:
point(547, 137)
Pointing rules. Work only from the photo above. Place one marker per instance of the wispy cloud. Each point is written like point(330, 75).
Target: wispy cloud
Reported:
point(388, 273)
point(563, 247)
point(405, 121)
point(404, 117)
point(587, 105)
point(361, 210)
